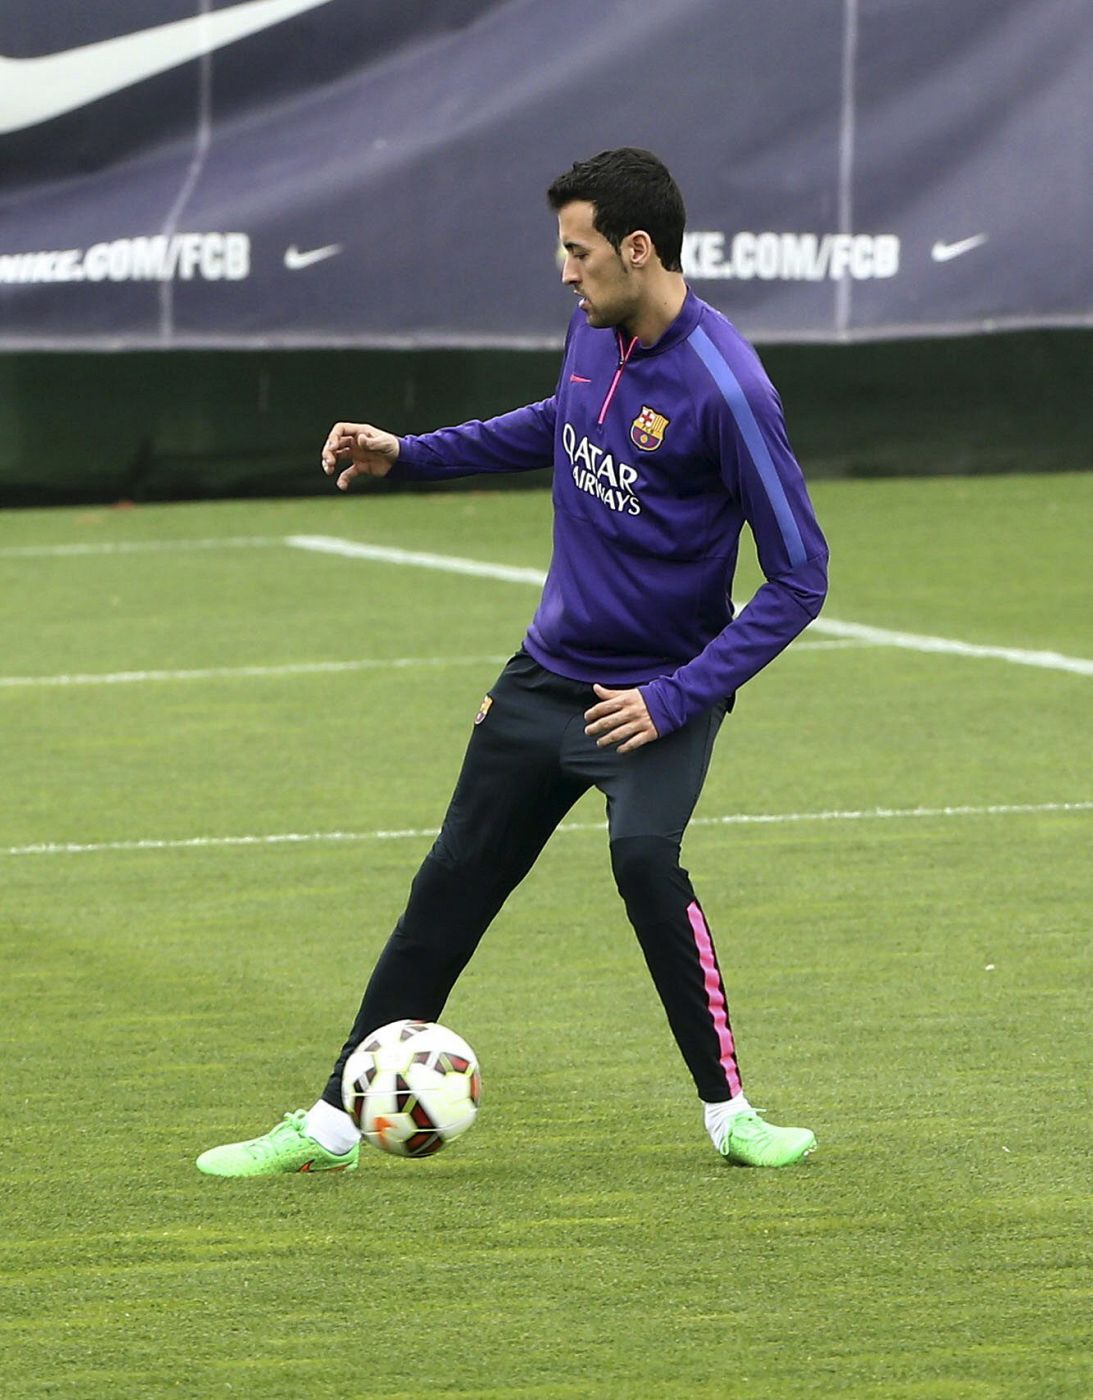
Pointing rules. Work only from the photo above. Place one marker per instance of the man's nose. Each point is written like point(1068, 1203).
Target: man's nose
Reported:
point(570, 275)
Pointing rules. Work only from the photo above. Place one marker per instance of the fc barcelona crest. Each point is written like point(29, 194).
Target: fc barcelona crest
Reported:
point(647, 429)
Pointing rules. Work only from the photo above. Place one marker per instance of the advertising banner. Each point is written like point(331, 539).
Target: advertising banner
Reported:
point(249, 173)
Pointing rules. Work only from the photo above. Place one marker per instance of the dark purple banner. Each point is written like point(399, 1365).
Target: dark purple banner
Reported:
point(243, 173)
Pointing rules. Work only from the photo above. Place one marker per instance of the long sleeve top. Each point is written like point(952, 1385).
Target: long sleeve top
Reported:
point(661, 454)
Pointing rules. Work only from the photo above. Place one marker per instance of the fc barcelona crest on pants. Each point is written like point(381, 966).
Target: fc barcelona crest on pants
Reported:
point(647, 429)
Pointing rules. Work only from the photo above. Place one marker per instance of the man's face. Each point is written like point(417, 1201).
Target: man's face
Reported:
point(593, 269)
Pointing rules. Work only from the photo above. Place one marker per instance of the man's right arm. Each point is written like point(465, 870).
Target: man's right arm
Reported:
point(518, 441)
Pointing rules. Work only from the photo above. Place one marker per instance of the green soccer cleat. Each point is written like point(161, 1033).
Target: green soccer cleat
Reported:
point(751, 1142)
point(285, 1148)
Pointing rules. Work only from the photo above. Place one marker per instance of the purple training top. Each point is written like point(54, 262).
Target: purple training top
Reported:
point(660, 455)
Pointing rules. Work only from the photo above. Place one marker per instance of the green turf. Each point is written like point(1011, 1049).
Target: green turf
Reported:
point(912, 988)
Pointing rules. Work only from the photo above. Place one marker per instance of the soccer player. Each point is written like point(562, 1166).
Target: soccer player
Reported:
point(665, 436)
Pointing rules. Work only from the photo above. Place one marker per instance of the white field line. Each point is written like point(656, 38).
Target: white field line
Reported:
point(50, 551)
point(915, 641)
point(446, 563)
point(305, 838)
point(875, 636)
point(328, 544)
point(297, 668)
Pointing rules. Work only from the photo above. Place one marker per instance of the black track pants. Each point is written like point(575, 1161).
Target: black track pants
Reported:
point(527, 763)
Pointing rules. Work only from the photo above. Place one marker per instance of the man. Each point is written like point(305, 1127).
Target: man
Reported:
point(666, 437)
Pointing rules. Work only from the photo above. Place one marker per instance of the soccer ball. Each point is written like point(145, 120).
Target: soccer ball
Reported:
point(411, 1087)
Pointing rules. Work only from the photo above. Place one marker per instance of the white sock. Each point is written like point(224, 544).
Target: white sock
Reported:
point(331, 1127)
point(719, 1115)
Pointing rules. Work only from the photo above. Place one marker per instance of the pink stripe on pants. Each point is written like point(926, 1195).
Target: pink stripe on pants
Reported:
point(715, 996)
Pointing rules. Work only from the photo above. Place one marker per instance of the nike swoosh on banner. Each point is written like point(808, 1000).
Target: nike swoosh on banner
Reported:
point(34, 90)
point(295, 260)
point(944, 252)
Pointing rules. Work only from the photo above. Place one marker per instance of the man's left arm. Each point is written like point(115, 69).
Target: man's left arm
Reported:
point(759, 467)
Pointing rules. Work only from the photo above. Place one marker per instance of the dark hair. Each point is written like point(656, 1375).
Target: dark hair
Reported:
point(630, 189)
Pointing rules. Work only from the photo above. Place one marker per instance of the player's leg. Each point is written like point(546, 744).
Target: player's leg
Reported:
point(651, 794)
point(510, 796)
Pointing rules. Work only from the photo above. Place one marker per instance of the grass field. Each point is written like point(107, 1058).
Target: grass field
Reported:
point(906, 943)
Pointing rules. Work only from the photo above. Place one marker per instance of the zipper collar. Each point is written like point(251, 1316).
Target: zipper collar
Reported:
point(630, 348)
point(680, 328)
point(626, 349)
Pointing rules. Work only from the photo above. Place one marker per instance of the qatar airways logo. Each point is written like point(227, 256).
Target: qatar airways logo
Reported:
point(596, 472)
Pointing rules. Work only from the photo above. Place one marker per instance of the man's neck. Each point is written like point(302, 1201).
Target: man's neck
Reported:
point(659, 309)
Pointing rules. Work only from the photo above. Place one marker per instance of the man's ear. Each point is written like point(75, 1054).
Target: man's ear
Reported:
point(637, 249)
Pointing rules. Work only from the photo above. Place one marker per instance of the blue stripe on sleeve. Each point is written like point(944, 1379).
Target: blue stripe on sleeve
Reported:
point(756, 444)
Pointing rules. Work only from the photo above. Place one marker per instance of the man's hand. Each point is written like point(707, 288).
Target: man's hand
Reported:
point(368, 451)
point(620, 718)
